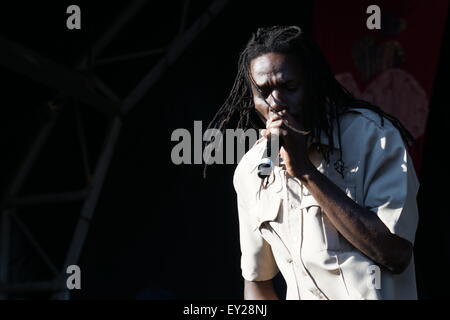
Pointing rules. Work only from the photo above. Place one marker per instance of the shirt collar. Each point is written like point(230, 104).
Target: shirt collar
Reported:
point(260, 144)
point(324, 139)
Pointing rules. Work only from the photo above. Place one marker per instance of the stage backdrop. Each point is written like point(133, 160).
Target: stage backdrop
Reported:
point(393, 67)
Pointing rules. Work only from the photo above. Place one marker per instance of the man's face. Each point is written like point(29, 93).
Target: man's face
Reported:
point(278, 78)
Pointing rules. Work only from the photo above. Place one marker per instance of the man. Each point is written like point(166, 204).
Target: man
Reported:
point(337, 216)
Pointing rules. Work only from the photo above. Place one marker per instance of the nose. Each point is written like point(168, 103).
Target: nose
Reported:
point(275, 101)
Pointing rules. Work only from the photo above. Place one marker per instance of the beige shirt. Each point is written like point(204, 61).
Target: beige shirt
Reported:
point(282, 228)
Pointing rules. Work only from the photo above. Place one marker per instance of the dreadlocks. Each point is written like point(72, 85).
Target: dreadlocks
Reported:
point(329, 98)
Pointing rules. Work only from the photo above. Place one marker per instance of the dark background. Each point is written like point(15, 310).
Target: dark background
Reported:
point(161, 230)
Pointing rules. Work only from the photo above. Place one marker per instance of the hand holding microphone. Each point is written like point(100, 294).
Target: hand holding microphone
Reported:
point(285, 135)
point(272, 133)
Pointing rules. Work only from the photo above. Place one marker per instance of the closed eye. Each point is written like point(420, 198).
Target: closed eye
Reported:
point(263, 91)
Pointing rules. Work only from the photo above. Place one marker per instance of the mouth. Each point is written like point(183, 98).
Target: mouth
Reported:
point(277, 110)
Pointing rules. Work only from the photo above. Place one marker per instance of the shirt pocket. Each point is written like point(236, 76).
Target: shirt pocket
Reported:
point(318, 232)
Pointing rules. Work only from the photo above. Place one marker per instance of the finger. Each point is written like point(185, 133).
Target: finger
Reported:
point(273, 117)
point(282, 112)
point(275, 124)
point(276, 131)
point(282, 115)
point(264, 132)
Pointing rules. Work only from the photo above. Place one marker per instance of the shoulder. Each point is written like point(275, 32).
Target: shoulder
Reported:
point(364, 127)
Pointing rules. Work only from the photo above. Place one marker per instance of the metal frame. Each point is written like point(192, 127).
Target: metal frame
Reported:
point(75, 85)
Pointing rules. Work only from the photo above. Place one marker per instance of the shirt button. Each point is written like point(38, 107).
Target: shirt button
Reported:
point(293, 205)
point(336, 272)
point(289, 260)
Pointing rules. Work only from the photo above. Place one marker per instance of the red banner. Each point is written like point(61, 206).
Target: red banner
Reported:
point(393, 67)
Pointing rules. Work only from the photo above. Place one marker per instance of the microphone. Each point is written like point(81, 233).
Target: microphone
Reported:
point(270, 156)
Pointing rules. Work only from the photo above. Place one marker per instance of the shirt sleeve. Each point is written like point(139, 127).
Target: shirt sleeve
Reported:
point(257, 261)
point(390, 182)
